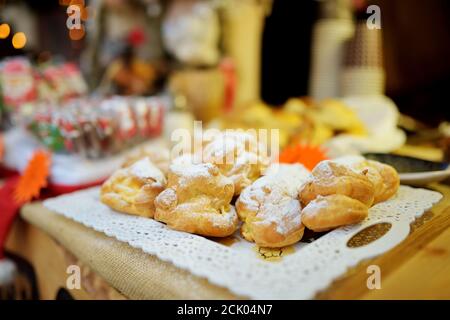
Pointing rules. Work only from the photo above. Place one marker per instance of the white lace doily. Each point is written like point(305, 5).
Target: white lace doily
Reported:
point(300, 275)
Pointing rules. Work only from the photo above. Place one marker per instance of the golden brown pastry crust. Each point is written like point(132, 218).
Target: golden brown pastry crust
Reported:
point(390, 181)
point(238, 155)
point(197, 200)
point(332, 178)
point(270, 210)
point(384, 178)
point(133, 189)
point(268, 236)
point(158, 155)
point(329, 212)
point(339, 194)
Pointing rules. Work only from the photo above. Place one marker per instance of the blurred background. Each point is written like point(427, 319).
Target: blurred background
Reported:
point(95, 83)
point(415, 44)
point(354, 76)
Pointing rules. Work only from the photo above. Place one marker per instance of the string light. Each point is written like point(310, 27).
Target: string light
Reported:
point(19, 40)
point(4, 30)
point(76, 34)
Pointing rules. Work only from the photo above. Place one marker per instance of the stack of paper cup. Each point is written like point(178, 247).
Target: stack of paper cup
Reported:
point(363, 72)
point(328, 50)
point(330, 34)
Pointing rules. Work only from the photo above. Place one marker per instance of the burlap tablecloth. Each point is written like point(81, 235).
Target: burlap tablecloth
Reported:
point(132, 272)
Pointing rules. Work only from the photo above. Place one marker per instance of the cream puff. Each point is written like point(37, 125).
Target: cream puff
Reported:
point(269, 207)
point(197, 200)
point(133, 189)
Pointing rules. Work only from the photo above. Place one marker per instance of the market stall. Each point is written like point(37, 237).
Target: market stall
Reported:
point(156, 164)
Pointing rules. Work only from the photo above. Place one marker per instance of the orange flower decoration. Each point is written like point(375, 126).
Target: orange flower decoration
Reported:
point(34, 178)
point(305, 154)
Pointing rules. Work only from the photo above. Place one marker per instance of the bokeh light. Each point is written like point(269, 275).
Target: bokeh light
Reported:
point(84, 13)
point(19, 40)
point(76, 34)
point(79, 3)
point(4, 30)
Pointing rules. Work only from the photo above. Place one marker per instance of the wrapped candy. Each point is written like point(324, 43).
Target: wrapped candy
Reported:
point(96, 128)
point(65, 80)
point(23, 87)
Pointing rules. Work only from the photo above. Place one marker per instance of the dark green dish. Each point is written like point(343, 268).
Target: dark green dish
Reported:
point(404, 164)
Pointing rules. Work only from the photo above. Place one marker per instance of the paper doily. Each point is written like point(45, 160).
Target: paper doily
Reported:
point(300, 275)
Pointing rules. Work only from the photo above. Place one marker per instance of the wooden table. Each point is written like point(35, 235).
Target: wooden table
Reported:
point(418, 268)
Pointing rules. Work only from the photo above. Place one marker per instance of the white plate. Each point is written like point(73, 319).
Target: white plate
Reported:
point(423, 178)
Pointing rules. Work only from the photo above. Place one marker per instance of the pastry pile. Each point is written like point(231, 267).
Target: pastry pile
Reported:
point(231, 184)
point(340, 192)
point(133, 189)
point(298, 120)
point(269, 208)
point(198, 200)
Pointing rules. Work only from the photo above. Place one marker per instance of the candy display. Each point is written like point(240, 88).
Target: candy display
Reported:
point(18, 84)
point(23, 86)
point(65, 80)
point(95, 127)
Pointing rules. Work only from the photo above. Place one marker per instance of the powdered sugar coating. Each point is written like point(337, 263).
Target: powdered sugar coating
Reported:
point(145, 169)
point(285, 214)
point(238, 155)
point(315, 206)
point(274, 197)
point(349, 161)
point(234, 147)
point(189, 171)
point(186, 159)
point(225, 218)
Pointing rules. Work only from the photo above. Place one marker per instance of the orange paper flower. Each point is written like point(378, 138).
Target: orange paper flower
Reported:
point(305, 154)
point(34, 178)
